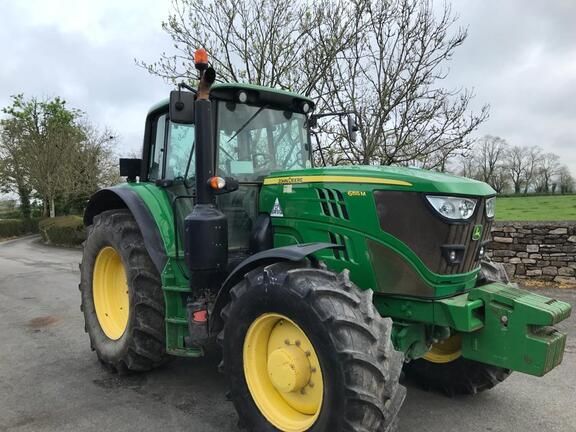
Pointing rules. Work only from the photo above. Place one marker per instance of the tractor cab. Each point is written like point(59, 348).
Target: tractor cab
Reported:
point(254, 131)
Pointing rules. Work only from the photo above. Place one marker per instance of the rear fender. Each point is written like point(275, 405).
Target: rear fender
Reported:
point(123, 197)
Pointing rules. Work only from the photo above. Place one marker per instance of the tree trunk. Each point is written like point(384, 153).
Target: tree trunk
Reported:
point(52, 208)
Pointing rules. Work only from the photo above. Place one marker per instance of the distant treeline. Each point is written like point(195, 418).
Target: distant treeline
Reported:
point(515, 169)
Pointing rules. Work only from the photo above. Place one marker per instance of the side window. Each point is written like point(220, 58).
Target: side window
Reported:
point(180, 151)
point(157, 148)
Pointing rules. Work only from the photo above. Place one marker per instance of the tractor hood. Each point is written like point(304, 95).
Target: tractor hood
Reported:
point(398, 178)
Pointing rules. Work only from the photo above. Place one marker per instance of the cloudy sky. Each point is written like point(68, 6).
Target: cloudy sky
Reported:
point(520, 58)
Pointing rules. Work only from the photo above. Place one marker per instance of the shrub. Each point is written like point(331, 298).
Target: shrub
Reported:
point(10, 214)
point(63, 231)
point(11, 228)
point(18, 227)
point(32, 225)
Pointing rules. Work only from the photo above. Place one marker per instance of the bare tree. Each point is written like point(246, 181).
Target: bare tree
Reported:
point(534, 158)
point(281, 43)
point(565, 180)
point(548, 168)
point(517, 161)
point(390, 77)
point(489, 156)
point(93, 165)
point(383, 60)
point(493, 161)
point(468, 165)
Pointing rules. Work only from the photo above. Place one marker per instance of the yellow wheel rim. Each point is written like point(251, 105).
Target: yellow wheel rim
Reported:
point(445, 351)
point(283, 373)
point(110, 291)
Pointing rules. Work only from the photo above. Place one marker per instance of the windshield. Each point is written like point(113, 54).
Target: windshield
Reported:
point(254, 141)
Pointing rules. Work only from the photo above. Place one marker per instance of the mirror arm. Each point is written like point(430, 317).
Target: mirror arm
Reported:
point(187, 87)
point(315, 117)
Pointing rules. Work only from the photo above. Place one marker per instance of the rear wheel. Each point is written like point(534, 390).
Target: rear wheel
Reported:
point(122, 296)
point(305, 350)
point(443, 368)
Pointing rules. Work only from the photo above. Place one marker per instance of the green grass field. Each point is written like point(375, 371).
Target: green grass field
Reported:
point(536, 208)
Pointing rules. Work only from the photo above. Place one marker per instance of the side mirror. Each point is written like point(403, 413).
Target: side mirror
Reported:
point(182, 107)
point(352, 127)
point(130, 168)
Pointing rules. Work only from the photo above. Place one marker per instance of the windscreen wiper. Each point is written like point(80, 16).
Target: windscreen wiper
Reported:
point(247, 123)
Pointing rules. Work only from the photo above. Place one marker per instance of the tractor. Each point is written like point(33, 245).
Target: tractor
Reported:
point(321, 285)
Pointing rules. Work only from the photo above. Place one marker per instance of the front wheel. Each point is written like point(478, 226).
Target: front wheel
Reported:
point(305, 350)
point(122, 296)
point(443, 368)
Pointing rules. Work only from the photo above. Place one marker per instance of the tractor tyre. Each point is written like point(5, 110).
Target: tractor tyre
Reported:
point(305, 350)
point(443, 370)
point(457, 377)
point(122, 297)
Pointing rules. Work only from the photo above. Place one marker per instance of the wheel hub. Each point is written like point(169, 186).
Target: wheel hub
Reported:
point(445, 351)
point(110, 292)
point(283, 373)
point(288, 369)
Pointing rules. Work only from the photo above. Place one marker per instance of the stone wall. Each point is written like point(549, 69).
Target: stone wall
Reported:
point(539, 250)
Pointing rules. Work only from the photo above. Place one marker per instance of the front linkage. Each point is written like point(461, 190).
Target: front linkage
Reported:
point(499, 325)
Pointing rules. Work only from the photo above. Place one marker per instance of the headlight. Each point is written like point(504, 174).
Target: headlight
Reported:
point(491, 207)
point(453, 207)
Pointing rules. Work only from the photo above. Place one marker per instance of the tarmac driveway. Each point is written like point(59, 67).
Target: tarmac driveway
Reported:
point(51, 381)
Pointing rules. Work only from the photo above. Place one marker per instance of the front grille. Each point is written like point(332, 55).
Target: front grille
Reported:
point(408, 217)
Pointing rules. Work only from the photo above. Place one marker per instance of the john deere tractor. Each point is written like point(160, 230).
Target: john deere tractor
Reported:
point(320, 284)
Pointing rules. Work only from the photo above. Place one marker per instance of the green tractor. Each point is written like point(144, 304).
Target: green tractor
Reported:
point(320, 284)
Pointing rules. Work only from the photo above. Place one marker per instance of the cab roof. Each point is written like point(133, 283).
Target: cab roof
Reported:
point(232, 88)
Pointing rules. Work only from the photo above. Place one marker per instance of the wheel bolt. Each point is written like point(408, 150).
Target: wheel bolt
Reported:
point(297, 343)
point(287, 342)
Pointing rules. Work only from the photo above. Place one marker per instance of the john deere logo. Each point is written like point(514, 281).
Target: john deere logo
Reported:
point(477, 232)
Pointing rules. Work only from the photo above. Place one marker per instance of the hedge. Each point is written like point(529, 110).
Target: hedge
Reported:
point(17, 227)
point(63, 231)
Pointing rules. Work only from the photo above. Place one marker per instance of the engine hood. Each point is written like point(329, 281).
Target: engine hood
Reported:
point(396, 178)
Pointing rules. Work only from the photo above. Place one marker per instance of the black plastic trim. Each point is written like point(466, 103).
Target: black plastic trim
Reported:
point(121, 197)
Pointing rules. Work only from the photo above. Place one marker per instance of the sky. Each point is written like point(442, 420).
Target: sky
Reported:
point(520, 58)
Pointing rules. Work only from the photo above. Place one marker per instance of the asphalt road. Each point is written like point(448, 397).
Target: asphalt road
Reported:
point(51, 381)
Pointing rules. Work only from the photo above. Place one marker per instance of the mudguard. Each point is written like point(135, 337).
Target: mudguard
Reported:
point(122, 197)
point(270, 256)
